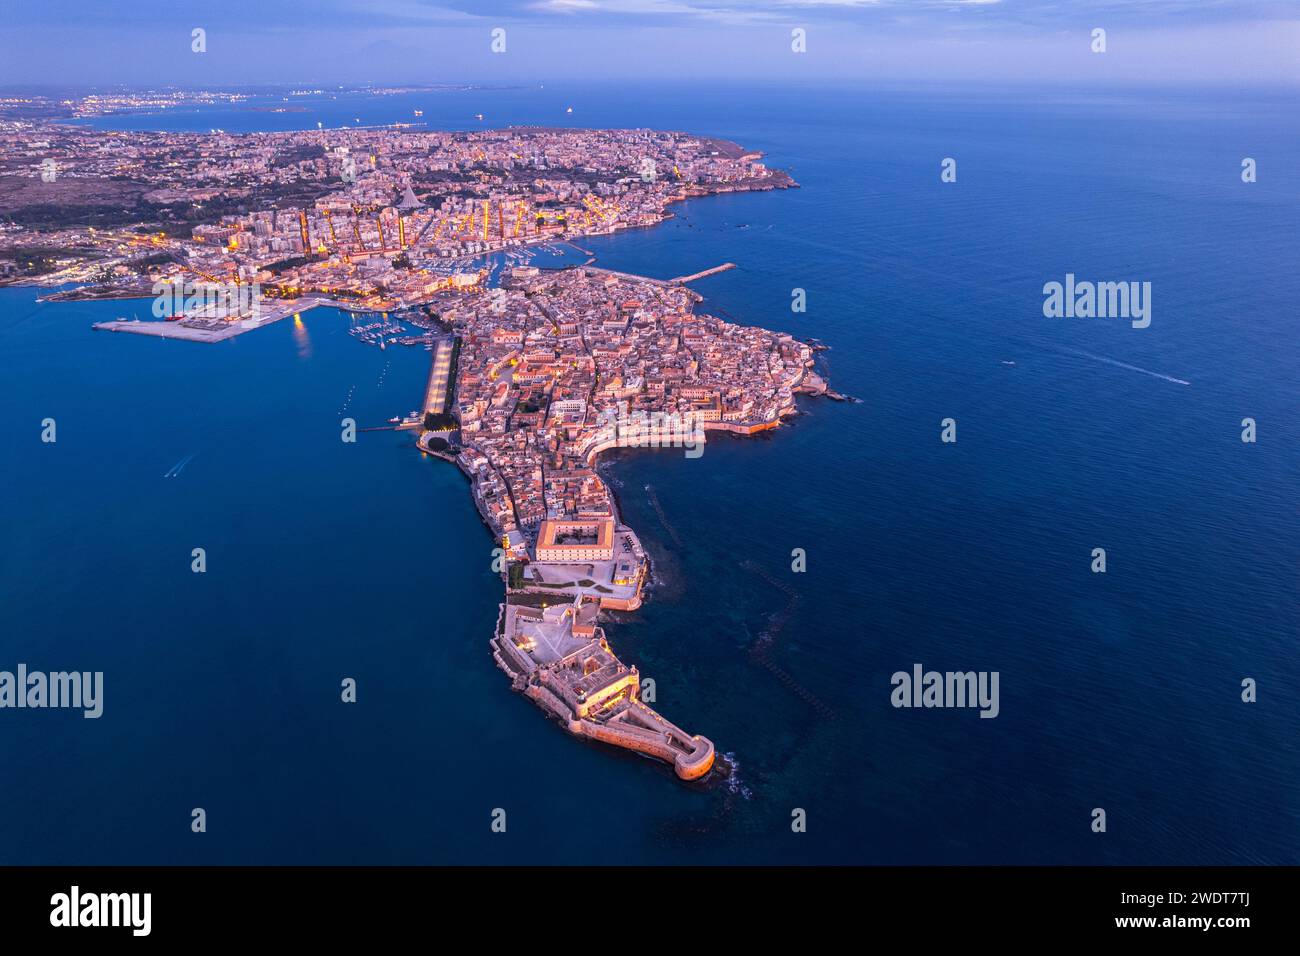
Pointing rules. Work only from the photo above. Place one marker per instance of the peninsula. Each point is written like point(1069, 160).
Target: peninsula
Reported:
point(534, 372)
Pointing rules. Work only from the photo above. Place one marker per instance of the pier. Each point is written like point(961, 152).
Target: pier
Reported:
point(197, 328)
point(682, 280)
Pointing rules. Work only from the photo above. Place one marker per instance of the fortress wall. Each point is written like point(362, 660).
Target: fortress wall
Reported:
point(501, 663)
point(697, 764)
point(649, 744)
point(621, 604)
point(693, 754)
point(549, 702)
point(520, 663)
point(738, 429)
point(688, 766)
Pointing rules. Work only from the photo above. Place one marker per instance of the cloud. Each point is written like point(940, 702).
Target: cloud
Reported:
point(566, 6)
point(305, 41)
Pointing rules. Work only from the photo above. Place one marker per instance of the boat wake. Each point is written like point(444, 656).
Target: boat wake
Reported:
point(1131, 368)
point(176, 469)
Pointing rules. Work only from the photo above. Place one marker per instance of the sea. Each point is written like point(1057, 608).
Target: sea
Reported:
point(794, 573)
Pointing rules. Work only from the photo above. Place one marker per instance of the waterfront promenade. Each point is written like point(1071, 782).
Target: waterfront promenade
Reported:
point(435, 392)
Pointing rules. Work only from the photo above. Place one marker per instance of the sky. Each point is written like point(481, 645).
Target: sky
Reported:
point(319, 42)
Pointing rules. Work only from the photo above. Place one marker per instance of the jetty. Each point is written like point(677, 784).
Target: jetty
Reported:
point(682, 280)
point(217, 328)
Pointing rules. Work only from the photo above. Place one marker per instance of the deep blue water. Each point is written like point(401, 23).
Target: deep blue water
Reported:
point(327, 560)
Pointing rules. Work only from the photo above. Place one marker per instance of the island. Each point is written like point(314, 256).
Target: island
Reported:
point(552, 369)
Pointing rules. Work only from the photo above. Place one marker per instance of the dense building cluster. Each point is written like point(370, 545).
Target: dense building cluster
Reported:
point(378, 215)
point(555, 367)
point(530, 379)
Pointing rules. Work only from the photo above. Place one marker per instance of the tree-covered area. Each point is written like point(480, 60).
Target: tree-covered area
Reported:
point(439, 422)
point(293, 262)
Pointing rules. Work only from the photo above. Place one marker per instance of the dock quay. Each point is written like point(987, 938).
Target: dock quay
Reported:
point(197, 329)
point(200, 329)
point(597, 270)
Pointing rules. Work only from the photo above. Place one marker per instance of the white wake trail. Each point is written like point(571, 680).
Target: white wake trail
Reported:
point(1131, 368)
point(175, 469)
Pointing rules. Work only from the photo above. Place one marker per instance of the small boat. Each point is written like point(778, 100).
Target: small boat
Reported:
point(1008, 364)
